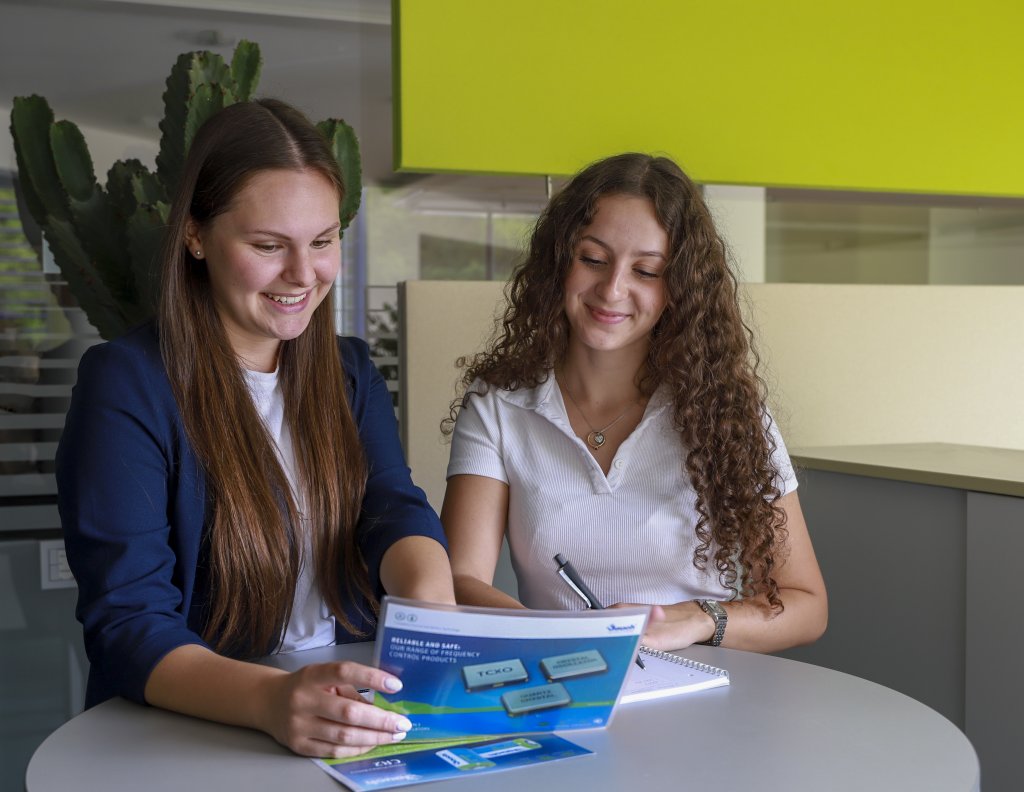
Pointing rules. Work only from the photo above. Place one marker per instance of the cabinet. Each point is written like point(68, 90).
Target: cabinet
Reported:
point(920, 547)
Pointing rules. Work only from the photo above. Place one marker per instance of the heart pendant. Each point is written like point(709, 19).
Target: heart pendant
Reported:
point(595, 440)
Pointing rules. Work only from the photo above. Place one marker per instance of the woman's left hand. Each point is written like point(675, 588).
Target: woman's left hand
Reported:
point(753, 625)
point(675, 626)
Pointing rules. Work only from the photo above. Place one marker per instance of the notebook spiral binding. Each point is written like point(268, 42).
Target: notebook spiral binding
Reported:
point(683, 661)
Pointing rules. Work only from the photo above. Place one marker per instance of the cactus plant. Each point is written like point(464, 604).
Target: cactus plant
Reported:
point(106, 240)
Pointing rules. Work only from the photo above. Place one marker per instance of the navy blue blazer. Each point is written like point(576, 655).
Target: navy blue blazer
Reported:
point(132, 500)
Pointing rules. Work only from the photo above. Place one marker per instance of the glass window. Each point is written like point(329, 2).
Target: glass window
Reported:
point(842, 237)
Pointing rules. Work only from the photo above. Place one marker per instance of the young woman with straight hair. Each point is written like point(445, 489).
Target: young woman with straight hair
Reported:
point(230, 478)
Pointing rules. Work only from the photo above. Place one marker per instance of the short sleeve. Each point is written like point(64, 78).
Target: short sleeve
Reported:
point(476, 441)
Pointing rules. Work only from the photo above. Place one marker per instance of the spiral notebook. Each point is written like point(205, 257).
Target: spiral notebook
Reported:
point(669, 675)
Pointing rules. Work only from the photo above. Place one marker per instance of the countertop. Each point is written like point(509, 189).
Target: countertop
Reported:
point(999, 471)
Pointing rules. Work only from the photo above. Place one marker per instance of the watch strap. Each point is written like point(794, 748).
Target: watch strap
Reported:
point(716, 612)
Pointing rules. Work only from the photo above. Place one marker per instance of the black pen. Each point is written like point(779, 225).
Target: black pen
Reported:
point(569, 574)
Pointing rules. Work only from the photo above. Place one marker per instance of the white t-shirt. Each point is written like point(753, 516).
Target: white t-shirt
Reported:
point(629, 534)
point(311, 624)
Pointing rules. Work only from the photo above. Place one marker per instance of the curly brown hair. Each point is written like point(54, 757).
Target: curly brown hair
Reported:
point(700, 349)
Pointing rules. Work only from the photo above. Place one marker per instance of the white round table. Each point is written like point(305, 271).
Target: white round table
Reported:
point(780, 725)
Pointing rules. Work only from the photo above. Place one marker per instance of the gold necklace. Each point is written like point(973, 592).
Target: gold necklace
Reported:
point(596, 437)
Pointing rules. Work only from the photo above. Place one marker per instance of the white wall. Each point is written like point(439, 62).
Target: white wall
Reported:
point(864, 364)
point(847, 364)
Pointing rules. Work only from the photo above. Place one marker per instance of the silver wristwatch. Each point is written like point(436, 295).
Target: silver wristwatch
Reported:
point(716, 612)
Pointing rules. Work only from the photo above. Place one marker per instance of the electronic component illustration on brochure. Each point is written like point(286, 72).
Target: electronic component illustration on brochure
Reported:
point(483, 671)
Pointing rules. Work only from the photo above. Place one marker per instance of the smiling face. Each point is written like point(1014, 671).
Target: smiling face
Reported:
point(272, 259)
point(615, 291)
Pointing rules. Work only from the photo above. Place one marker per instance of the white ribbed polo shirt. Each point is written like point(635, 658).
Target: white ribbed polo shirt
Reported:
point(630, 534)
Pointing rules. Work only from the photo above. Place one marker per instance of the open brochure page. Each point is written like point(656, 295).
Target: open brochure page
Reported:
point(484, 671)
point(438, 762)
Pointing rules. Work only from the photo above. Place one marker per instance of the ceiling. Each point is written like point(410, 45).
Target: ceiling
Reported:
point(104, 62)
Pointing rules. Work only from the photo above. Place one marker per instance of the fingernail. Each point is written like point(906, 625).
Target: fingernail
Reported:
point(393, 683)
point(397, 736)
point(403, 725)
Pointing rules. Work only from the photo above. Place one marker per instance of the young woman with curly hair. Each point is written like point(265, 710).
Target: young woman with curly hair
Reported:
point(618, 418)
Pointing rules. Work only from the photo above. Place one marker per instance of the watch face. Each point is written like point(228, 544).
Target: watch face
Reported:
point(715, 610)
point(718, 613)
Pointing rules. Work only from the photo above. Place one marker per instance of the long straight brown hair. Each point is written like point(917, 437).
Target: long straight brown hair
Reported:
point(253, 548)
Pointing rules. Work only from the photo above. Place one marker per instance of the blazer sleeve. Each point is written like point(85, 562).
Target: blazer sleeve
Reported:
point(114, 467)
point(393, 507)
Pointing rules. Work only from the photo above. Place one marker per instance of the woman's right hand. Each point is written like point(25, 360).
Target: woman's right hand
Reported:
point(318, 711)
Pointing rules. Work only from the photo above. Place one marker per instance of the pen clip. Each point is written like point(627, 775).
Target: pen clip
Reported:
point(574, 587)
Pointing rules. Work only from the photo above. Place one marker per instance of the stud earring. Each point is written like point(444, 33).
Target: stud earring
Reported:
point(199, 254)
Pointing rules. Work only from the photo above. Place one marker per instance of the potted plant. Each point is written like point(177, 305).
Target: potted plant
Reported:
point(106, 238)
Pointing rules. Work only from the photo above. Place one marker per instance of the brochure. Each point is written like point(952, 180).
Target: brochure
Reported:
point(455, 761)
point(472, 672)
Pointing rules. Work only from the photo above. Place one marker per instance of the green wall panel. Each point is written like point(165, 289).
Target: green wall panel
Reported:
point(875, 95)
